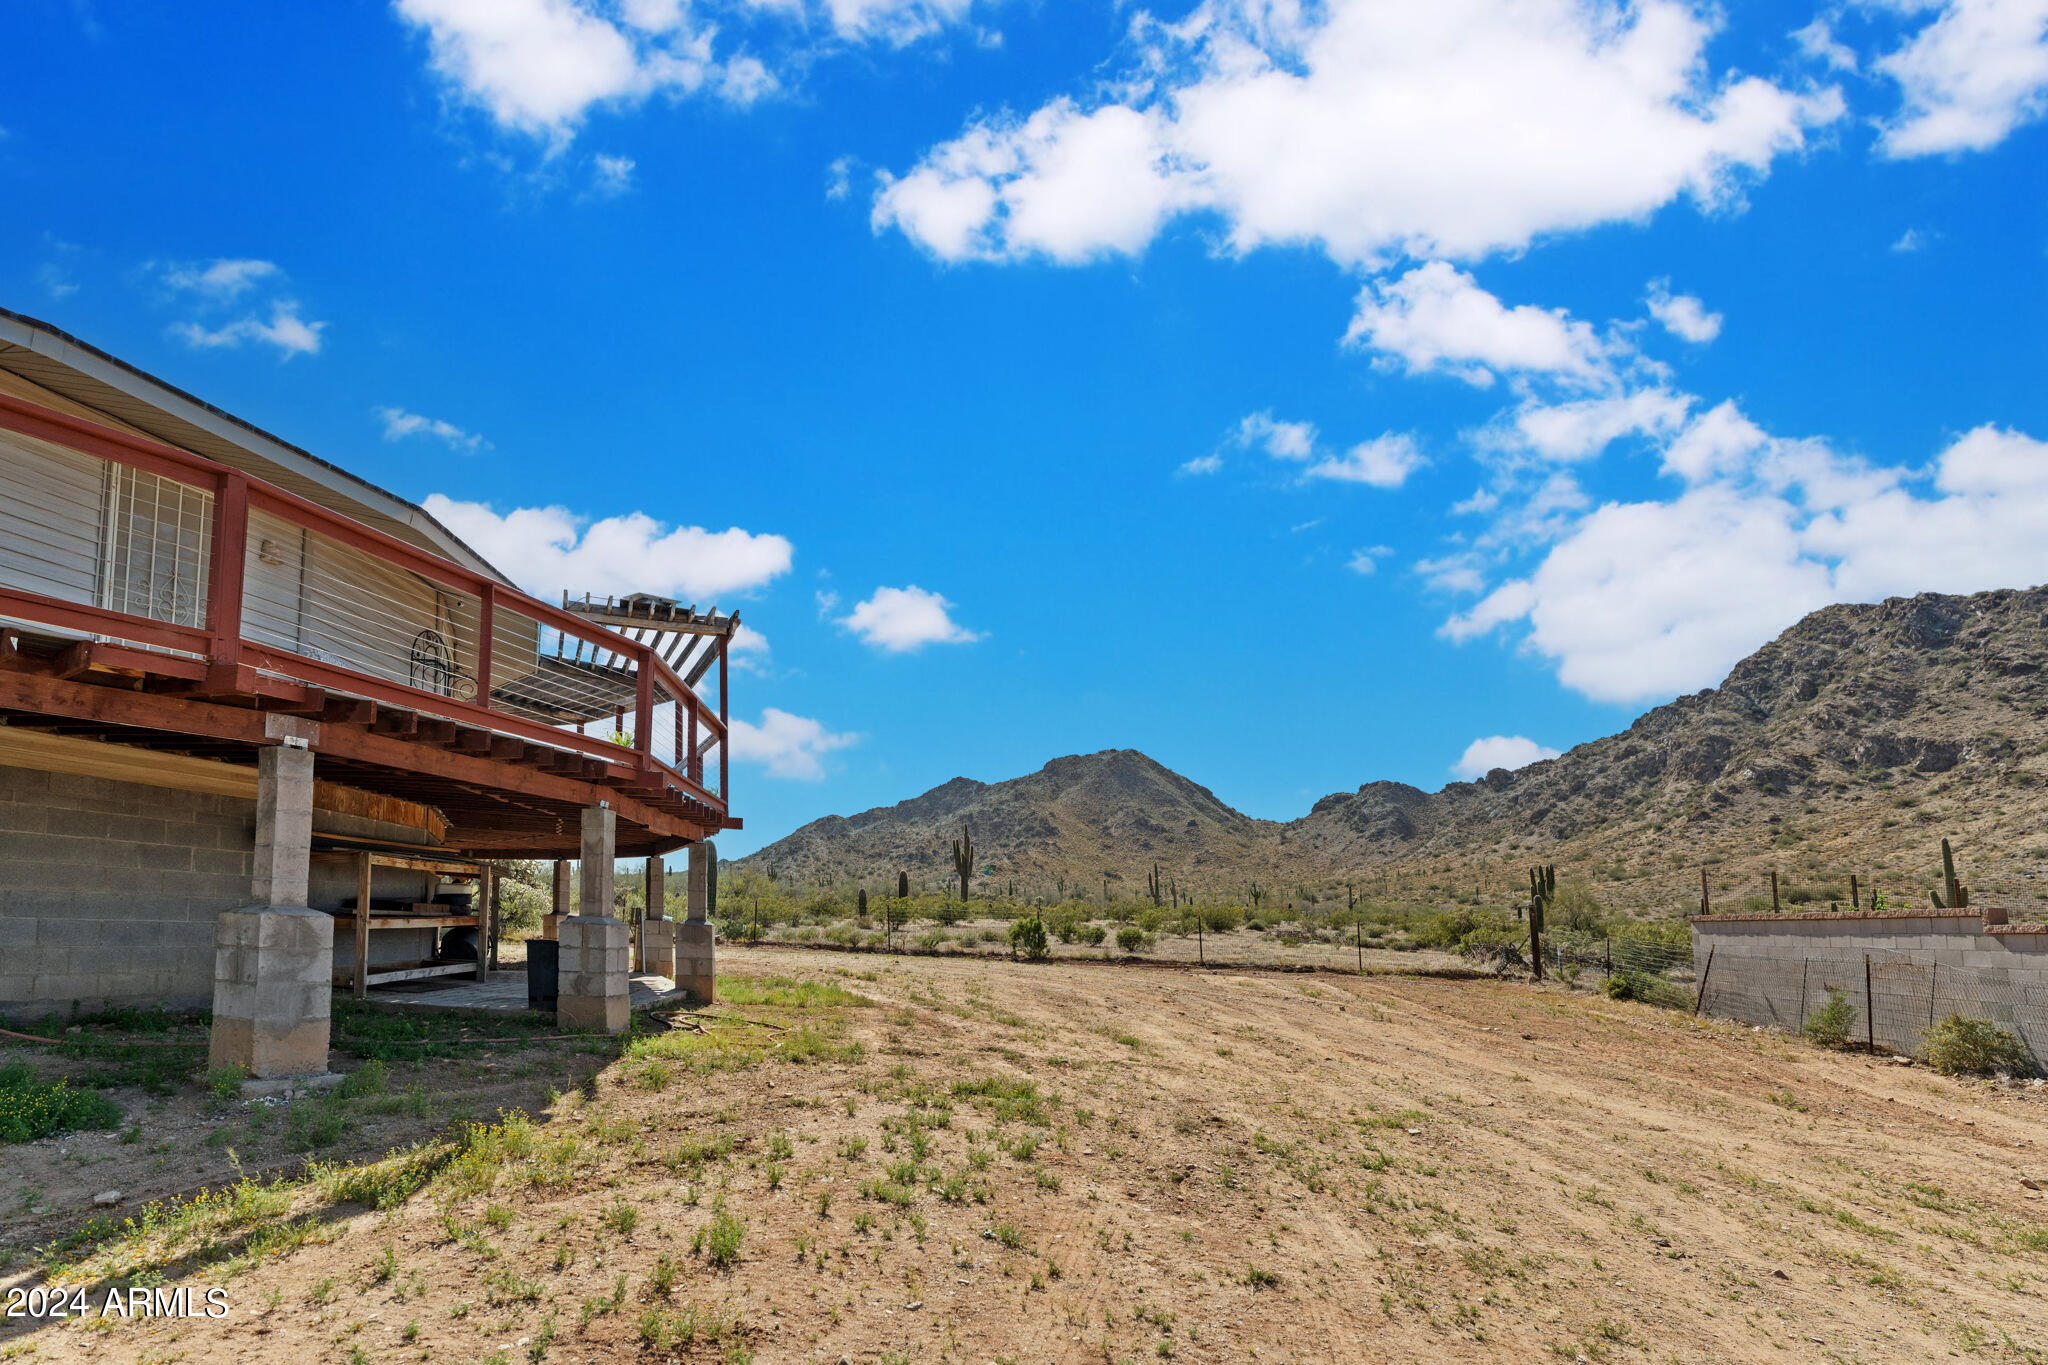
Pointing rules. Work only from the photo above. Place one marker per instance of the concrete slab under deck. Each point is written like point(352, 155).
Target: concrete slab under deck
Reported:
point(504, 992)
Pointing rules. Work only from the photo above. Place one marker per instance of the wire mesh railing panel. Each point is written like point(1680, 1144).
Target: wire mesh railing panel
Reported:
point(313, 595)
point(562, 678)
point(160, 535)
point(52, 520)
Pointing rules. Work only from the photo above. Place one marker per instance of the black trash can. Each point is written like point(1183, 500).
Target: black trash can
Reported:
point(543, 973)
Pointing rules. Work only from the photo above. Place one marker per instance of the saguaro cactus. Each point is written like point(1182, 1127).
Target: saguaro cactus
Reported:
point(1152, 885)
point(902, 886)
point(1542, 890)
point(1958, 894)
point(963, 858)
point(862, 907)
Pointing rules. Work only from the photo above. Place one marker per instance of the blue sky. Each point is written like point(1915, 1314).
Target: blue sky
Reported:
point(1303, 394)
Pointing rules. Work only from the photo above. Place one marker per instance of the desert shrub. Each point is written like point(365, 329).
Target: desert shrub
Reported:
point(949, 913)
point(1830, 1024)
point(931, 940)
point(1130, 938)
point(1091, 934)
point(1221, 919)
point(1674, 934)
point(1960, 1046)
point(31, 1107)
point(1627, 986)
point(1576, 908)
point(1027, 937)
point(1154, 918)
point(1811, 895)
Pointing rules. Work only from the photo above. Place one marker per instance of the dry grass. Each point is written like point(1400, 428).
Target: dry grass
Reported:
point(935, 1159)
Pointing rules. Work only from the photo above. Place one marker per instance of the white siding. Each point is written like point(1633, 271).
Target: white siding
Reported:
point(52, 508)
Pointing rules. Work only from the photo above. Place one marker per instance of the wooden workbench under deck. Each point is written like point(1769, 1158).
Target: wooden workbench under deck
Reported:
point(361, 919)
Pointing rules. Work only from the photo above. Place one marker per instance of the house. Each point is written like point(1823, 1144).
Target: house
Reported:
point(258, 716)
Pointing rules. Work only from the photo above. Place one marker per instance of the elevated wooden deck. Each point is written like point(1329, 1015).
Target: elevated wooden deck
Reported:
point(265, 618)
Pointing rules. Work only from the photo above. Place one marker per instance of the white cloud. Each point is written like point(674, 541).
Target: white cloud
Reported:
point(549, 550)
point(1453, 130)
point(222, 280)
point(56, 280)
point(1969, 77)
point(210, 289)
point(1436, 317)
point(1483, 755)
point(902, 620)
point(749, 650)
point(1367, 560)
point(612, 175)
point(541, 66)
point(896, 22)
point(286, 330)
point(1642, 600)
point(1570, 432)
point(1281, 440)
point(1818, 40)
point(1911, 240)
point(839, 177)
point(1201, 464)
point(786, 745)
point(1066, 184)
point(400, 424)
point(1682, 315)
point(1462, 572)
point(538, 66)
point(1383, 462)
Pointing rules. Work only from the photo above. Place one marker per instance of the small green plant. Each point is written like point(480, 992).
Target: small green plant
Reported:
point(224, 1083)
point(1962, 1046)
point(1028, 940)
point(718, 1241)
point(1130, 938)
point(32, 1108)
point(1830, 1024)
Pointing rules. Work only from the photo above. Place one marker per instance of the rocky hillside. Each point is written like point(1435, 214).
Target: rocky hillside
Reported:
point(1074, 821)
point(1851, 743)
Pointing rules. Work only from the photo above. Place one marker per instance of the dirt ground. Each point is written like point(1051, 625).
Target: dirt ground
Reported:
point(1206, 1167)
point(1234, 947)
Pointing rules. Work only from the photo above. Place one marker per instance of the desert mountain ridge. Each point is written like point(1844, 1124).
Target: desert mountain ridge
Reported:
point(1851, 743)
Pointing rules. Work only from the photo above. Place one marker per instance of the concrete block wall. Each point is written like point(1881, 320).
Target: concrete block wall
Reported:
point(1922, 967)
point(109, 891)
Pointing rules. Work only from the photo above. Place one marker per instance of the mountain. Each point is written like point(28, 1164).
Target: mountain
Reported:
point(1851, 743)
point(1077, 819)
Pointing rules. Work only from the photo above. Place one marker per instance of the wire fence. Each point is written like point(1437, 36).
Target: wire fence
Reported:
point(1896, 997)
point(1892, 998)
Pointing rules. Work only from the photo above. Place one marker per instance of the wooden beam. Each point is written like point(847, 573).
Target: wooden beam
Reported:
point(149, 711)
point(41, 752)
point(348, 711)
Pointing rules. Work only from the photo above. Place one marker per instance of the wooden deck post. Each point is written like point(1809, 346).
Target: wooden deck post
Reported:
point(365, 879)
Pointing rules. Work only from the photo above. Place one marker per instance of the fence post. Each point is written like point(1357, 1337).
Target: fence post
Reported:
point(1869, 1016)
point(1933, 973)
point(1804, 963)
point(1607, 957)
point(1358, 937)
point(1706, 975)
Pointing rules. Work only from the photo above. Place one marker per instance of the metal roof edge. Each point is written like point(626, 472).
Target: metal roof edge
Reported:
point(36, 335)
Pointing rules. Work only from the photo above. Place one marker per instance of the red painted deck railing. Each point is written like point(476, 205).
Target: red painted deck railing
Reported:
point(296, 591)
